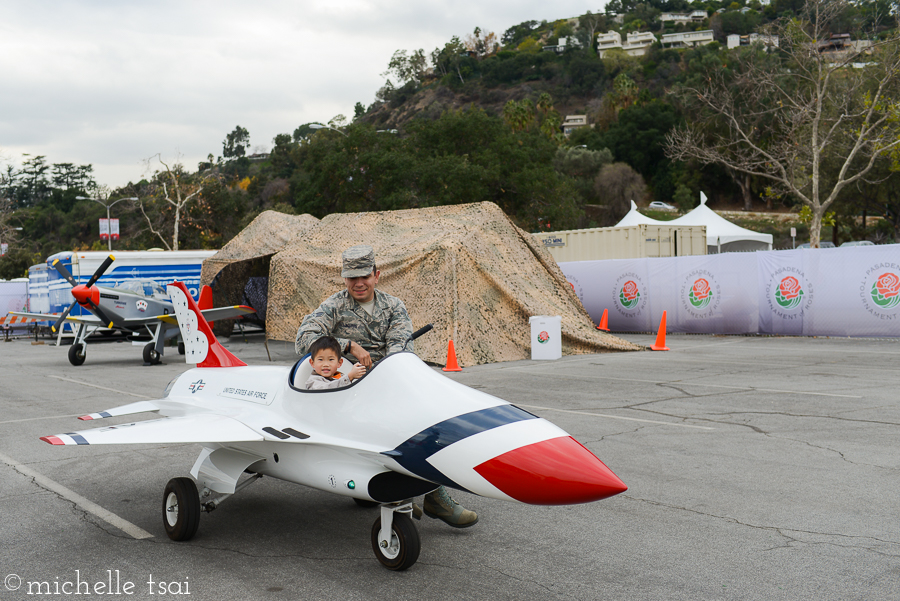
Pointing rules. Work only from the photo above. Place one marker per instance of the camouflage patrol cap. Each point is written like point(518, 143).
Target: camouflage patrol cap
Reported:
point(359, 261)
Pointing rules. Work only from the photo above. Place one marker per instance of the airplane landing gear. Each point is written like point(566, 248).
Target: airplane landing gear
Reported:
point(77, 354)
point(151, 357)
point(181, 509)
point(395, 539)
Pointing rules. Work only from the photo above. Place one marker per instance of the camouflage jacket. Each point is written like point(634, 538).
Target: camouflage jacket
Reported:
point(382, 333)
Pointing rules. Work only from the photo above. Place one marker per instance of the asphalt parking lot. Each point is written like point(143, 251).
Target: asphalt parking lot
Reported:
point(758, 468)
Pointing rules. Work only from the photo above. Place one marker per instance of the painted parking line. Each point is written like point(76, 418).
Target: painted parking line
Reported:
point(88, 506)
point(630, 419)
point(35, 419)
point(140, 396)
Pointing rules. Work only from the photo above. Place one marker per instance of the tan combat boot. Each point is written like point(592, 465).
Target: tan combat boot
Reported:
point(439, 505)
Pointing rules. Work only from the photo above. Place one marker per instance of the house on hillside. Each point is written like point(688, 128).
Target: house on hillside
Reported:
point(687, 39)
point(636, 43)
point(572, 123)
point(562, 44)
point(769, 41)
point(695, 16)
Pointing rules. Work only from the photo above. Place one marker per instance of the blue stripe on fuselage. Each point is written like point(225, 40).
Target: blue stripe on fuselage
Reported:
point(414, 453)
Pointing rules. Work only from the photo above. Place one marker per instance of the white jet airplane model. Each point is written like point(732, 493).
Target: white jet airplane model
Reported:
point(396, 433)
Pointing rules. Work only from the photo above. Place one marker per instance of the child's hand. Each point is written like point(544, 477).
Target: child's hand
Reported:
point(357, 371)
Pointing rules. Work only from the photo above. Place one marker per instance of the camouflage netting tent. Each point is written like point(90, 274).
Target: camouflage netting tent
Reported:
point(239, 273)
point(467, 269)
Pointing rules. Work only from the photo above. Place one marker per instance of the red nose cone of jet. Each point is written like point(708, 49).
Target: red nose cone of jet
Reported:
point(83, 294)
point(559, 471)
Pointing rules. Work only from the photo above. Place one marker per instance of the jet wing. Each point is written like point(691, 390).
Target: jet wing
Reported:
point(214, 314)
point(205, 427)
point(137, 407)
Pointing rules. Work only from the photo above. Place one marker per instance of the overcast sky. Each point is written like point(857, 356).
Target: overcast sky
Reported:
point(112, 83)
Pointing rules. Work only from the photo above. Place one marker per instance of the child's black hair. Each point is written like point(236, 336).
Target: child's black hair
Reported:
point(322, 344)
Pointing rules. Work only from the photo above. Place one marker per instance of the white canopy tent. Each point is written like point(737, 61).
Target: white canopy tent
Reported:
point(721, 234)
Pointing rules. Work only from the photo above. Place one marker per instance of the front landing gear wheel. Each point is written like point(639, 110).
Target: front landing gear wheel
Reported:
point(181, 509)
point(403, 550)
point(150, 354)
point(77, 354)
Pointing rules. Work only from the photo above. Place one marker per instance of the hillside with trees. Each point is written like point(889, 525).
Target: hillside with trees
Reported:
point(481, 119)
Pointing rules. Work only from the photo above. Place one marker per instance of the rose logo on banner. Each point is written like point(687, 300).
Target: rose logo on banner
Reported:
point(886, 291)
point(543, 337)
point(880, 290)
point(790, 293)
point(700, 294)
point(629, 295)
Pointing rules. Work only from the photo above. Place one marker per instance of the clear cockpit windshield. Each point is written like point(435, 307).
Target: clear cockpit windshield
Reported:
point(143, 287)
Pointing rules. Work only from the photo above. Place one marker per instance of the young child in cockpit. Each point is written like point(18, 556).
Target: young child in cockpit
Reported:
point(325, 358)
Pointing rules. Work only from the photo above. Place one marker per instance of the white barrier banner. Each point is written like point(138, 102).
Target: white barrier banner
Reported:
point(851, 291)
point(622, 286)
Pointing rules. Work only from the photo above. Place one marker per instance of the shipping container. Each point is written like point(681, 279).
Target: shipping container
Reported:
point(629, 242)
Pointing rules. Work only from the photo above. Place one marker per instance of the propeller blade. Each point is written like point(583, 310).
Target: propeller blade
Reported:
point(64, 272)
point(64, 315)
point(96, 310)
point(100, 270)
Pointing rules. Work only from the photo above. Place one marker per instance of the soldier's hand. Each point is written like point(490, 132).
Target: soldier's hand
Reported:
point(361, 354)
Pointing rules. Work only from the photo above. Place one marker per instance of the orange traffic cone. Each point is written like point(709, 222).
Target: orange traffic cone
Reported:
point(603, 321)
point(661, 336)
point(452, 365)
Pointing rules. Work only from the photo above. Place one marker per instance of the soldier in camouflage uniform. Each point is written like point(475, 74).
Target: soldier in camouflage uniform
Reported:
point(370, 325)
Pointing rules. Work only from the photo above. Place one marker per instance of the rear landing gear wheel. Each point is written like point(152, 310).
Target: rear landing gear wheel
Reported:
point(181, 509)
point(366, 504)
point(150, 354)
point(180, 348)
point(403, 550)
point(77, 354)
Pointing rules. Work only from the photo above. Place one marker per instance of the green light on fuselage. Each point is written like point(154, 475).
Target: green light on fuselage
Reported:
point(351, 484)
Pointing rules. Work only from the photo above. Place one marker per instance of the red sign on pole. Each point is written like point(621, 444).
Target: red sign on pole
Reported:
point(104, 229)
point(114, 229)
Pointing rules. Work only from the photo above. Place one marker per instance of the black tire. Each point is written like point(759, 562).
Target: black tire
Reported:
point(150, 354)
point(181, 509)
point(77, 354)
point(180, 348)
point(405, 547)
point(366, 504)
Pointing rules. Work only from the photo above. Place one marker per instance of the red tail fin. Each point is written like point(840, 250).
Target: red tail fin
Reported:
point(200, 344)
point(206, 300)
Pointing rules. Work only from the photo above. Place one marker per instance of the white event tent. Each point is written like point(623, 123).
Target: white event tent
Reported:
point(721, 234)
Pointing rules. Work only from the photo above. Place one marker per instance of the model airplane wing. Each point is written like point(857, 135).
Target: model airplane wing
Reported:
point(214, 314)
point(138, 407)
point(25, 316)
point(200, 428)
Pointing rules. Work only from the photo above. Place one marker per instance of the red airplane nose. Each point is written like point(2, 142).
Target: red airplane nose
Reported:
point(83, 294)
point(559, 471)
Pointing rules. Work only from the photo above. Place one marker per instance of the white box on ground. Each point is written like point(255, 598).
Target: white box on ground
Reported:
point(546, 341)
